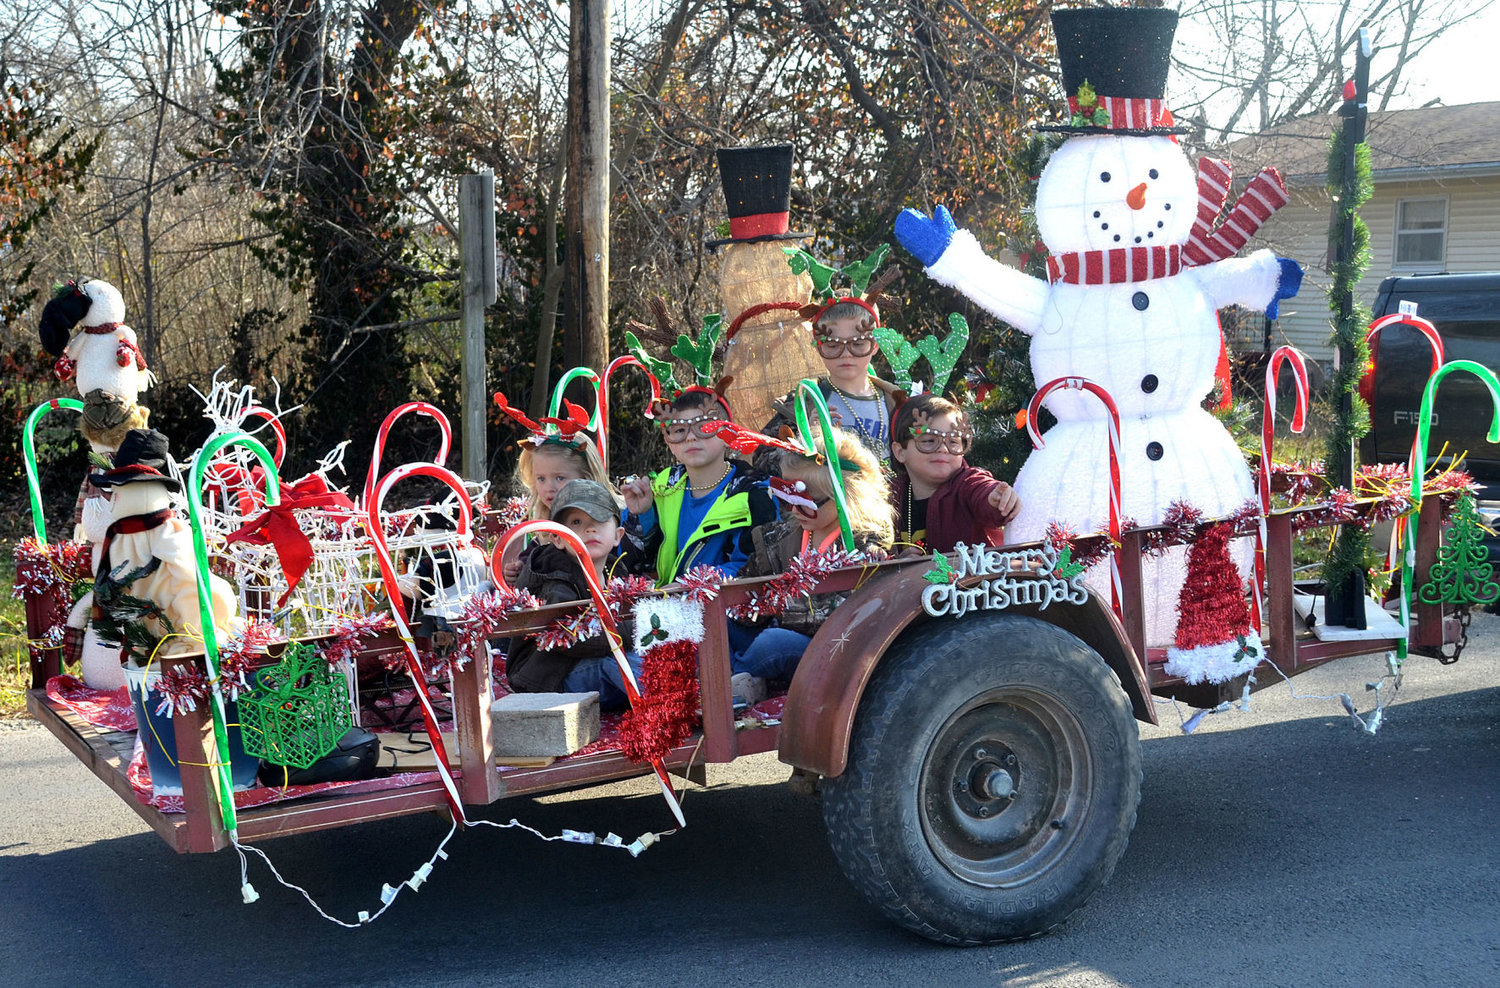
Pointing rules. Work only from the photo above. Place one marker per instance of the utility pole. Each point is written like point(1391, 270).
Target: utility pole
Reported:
point(476, 231)
point(586, 329)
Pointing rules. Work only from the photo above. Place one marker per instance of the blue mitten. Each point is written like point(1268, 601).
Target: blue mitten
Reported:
point(925, 237)
point(1287, 285)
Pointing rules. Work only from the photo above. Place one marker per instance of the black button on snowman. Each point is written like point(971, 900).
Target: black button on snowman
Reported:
point(1136, 277)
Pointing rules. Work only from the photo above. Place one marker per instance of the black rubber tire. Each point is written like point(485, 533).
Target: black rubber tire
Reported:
point(919, 820)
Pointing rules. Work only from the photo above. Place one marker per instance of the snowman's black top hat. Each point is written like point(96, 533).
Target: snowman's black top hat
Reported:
point(1114, 64)
point(758, 191)
point(142, 458)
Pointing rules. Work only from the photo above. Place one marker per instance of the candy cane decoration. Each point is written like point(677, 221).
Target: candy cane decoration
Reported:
point(393, 593)
point(420, 408)
point(576, 374)
point(566, 536)
point(602, 408)
point(272, 419)
point(1294, 357)
point(808, 392)
point(1034, 409)
point(1435, 342)
point(205, 600)
point(28, 454)
point(1424, 427)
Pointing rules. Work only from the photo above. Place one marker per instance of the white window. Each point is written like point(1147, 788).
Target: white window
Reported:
point(1421, 233)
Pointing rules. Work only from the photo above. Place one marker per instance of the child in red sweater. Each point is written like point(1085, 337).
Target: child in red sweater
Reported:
point(940, 499)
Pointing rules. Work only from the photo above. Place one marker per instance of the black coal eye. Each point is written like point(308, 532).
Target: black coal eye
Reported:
point(1152, 173)
point(1104, 176)
point(1096, 214)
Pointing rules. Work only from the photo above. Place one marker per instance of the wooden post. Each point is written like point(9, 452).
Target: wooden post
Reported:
point(586, 332)
point(476, 229)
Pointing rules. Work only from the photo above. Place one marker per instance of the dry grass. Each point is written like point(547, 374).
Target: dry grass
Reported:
point(15, 670)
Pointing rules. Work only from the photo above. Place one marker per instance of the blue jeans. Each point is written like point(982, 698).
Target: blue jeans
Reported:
point(602, 676)
point(773, 654)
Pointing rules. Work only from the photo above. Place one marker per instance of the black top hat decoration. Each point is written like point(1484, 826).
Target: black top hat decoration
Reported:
point(757, 191)
point(141, 458)
point(1114, 63)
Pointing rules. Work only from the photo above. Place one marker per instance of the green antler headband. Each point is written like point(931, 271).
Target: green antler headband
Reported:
point(699, 354)
point(942, 355)
point(857, 273)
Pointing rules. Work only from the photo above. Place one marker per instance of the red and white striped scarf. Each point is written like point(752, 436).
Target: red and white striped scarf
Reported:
point(1265, 194)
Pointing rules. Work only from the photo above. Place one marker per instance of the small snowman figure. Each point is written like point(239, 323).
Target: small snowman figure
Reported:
point(1136, 275)
point(104, 359)
point(146, 558)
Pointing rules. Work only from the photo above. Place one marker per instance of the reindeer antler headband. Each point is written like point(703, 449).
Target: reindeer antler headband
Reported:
point(565, 430)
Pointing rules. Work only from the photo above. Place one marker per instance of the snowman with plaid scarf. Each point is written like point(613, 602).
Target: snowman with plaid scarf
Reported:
point(1136, 273)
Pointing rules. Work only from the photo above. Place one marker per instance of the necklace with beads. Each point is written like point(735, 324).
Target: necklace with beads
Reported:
point(876, 443)
point(708, 487)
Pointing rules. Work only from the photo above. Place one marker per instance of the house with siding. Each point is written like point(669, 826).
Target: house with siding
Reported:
point(1436, 208)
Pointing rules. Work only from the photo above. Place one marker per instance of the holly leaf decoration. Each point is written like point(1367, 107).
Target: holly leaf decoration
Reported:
point(942, 355)
point(1065, 568)
point(860, 272)
point(899, 354)
point(656, 634)
point(942, 571)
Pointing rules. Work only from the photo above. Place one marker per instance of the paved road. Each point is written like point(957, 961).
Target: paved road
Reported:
point(1276, 846)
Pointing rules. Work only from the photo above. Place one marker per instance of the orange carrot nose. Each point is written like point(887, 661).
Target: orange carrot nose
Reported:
point(1136, 197)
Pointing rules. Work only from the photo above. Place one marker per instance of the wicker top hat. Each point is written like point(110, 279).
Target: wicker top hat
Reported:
point(142, 458)
point(757, 191)
point(1114, 63)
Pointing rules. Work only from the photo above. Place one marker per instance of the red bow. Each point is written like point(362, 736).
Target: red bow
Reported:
point(278, 526)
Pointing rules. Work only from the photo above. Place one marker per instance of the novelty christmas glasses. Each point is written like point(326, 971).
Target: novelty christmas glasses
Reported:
point(857, 346)
point(957, 441)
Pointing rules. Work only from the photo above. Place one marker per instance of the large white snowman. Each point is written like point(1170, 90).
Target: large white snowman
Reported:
point(1126, 306)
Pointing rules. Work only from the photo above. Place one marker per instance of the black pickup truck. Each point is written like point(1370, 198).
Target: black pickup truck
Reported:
point(1465, 308)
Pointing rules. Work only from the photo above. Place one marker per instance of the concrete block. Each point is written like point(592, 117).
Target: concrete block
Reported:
point(544, 724)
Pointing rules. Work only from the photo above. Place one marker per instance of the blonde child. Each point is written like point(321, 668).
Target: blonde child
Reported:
point(941, 500)
point(810, 521)
point(544, 467)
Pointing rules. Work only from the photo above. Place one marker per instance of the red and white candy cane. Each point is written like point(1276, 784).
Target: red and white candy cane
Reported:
point(420, 408)
point(398, 609)
point(261, 412)
point(1034, 410)
point(625, 360)
point(1414, 465)
point(1292, 356)
point(566, 536)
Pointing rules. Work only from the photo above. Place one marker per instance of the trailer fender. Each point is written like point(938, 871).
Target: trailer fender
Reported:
point(826, 690)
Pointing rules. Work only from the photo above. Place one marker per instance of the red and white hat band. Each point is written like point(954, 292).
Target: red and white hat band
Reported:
point(1129, 112)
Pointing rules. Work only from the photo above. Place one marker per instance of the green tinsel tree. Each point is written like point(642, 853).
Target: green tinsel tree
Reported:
point(1350, 319)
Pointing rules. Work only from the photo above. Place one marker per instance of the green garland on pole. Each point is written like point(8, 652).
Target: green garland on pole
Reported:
point(1350, 318)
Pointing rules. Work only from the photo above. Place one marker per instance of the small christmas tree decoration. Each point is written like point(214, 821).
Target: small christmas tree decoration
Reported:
point(297, 711)
point(1215, 639)
point(1462, 573)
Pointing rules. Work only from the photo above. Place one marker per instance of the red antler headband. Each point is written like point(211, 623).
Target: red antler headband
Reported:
point(565, 431)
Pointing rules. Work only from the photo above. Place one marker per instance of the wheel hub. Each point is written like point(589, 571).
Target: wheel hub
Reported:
point(1003, 778)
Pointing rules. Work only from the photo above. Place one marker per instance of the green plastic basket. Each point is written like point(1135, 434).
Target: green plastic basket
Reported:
point(297, 711)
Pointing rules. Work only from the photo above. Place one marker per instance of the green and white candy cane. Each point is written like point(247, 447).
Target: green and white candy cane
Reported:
point(584, 373)
point(225, 784)
point(1419, 467)
point(28, 450)
point(808, 393)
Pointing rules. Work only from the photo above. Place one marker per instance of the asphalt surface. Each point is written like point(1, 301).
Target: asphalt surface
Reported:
point(1274, 846)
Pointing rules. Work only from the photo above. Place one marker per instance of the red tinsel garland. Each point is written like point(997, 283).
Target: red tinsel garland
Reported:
point(796, 581)
point(669, 702)
point(620, 595)
point(701, 583)
point(347, 632)
point(484, 613)
point(237, 653)
point(42, 568)
point(514, 511)
point(182, 688)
